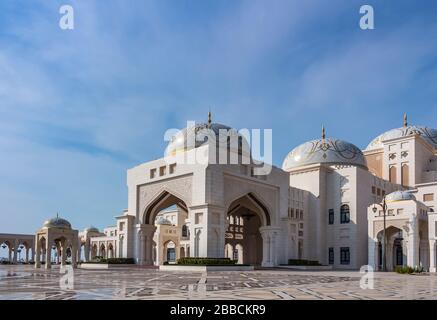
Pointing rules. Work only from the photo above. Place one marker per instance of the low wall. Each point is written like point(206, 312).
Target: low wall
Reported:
point(204, 268)
point(307, 268)
point(102, 266)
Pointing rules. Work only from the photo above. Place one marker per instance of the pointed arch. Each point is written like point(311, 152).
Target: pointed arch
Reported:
point(162, 200)
point(257, 201)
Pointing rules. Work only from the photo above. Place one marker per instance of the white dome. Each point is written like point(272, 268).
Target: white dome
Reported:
point(57, 223)
point(91, 229)
point(204, 133)
point(328, 151)
point(163, 221)
point(428, 134)
point(400, 196)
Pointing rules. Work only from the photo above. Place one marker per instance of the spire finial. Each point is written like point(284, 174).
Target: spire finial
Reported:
point(323, 134)
point(405, 120)
point(209, 117)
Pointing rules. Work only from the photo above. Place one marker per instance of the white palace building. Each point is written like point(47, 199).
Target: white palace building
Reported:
point(324, 204)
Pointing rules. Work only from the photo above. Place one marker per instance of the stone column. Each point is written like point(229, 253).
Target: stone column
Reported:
point(372, 253)
point(15, 250)
point(270, 251)
point(432, 256)
point(266, 249)
point(413, 244)
point(58, 254)
point(74, 255)
point(48, 253)
point(37, 252)
point(63, 253)
point(149, 231)
point(27, 254)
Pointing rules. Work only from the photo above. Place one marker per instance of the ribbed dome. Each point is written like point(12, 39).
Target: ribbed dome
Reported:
point(428, 134)
point(91, 229)
point(163, 221)
point(399, 196)
point(205, 133)
point(328, 151)
point(57, 223)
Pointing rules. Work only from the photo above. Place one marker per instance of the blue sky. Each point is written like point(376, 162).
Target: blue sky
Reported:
point(79, 107)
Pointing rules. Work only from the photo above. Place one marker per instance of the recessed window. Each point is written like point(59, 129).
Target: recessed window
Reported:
point(172, 168)
point(162, 171)
point(331, 216)
point(121, 226)
point(428, 197)
point(199, 218)
point(345, 256)
point(331, 255)
point(235, 254)
point(152, 173)
point(373, 190)
point(400, 211)
point(344, 214)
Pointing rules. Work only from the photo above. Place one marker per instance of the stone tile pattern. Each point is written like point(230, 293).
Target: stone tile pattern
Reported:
point(24, 282)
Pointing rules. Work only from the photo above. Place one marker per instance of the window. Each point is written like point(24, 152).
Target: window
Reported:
point(152, 173)
point(331, 216)
point(345, 255)
point(162, 171)
point(405, 174)
point(198, 218)
point(301, 214)
point(400, 211)
point(292, 213)
point(300, 225)
point(331, 255)
point(428, 197)
point(235, 255)
point(392, 174)
point(344, 214)
point(121, 226)
point(184, 231)
point(172, 168)
point(373, 190)
point(378, 192)
point(391, 212)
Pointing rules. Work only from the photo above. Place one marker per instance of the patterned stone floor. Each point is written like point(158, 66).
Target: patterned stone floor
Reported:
point(24, 282)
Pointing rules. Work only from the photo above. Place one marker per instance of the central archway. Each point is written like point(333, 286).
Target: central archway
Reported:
point(243, 241)
point(163, 222)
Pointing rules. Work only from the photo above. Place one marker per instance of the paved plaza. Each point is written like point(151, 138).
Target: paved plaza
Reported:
point(21, 282)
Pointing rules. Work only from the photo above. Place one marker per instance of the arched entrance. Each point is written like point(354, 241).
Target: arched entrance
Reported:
point(102, 252)
point(170, 251)
point(154, 234)
point(110, 251)
point(396, 251)
point(243, 241)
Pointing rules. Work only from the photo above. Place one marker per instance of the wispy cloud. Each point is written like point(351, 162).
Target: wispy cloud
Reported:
point(77, 108)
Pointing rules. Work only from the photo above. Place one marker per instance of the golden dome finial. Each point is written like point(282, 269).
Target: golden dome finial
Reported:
point(323, 134)
point(405, 120)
